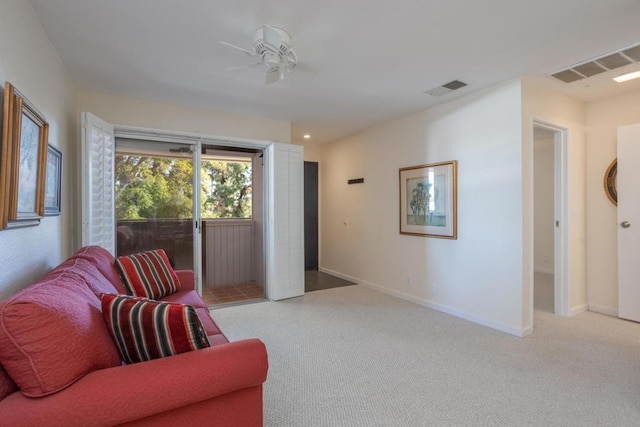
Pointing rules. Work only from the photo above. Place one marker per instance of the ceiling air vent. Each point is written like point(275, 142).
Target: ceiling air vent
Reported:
point(633, 53)
point(609, 61)
point(446, 88)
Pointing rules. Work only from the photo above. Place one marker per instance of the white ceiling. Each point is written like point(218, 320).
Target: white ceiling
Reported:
point(375, 58)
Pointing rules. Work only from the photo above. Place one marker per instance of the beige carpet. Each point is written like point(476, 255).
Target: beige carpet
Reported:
point(352, 356)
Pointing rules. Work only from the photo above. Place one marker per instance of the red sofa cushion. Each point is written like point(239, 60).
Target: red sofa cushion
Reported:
point(104, 262)
point(186, 297)
point(7, 386)
point(191, 297)
point(52, 334)
point(148, 274)
point(87, 272)
point(144, 329)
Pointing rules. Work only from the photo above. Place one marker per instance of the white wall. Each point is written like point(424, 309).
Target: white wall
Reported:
point(29, 62)
point(543, 204)
point(603, 119)
point(479, 275)
point(540, 103)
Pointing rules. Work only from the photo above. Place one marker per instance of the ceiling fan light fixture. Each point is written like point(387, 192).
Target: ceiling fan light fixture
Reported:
point(627, 77)
point(272, 48)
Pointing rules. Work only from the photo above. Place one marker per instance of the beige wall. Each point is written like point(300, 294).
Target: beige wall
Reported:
point(28, 61)
point(312, 151)
point(543, 104)
point(125, 111)
point(479, 275)
point(603, 119)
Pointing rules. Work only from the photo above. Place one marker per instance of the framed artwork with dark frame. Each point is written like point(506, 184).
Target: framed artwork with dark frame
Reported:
point(428, 200)
point(53, 186)
point(23, 160)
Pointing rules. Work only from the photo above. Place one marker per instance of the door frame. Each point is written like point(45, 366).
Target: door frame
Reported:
point(561, 217)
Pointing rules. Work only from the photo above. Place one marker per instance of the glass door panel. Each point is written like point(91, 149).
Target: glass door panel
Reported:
point(155, 199)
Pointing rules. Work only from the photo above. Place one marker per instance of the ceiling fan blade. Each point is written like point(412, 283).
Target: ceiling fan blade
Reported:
point(271, 37)
point(274, 75)
point(241, 49)
point(241, 67)
point(304, 70)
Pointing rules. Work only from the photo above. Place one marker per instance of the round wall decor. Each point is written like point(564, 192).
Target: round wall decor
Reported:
point(610, 182)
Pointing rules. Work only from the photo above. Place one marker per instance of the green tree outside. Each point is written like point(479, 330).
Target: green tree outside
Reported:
point(157, 187)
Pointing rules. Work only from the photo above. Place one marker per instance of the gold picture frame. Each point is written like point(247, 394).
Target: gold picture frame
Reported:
point(428, 200)
point(23, 158)
point(610, 177)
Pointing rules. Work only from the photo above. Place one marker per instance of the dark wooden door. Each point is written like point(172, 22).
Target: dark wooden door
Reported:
point(310, 215)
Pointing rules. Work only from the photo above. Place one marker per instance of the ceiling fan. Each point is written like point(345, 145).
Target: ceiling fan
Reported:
point(272, 48)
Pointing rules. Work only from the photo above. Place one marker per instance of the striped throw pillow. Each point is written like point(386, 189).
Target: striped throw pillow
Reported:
point(144, 329)
point(148, 274)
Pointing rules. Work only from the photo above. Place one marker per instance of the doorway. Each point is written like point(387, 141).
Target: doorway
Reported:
point(550, 289)
point(232, 225)
point(543, 208)
point(311, 216)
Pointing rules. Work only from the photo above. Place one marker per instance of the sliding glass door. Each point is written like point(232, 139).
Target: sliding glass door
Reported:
point(201, 204)
point(155, 184)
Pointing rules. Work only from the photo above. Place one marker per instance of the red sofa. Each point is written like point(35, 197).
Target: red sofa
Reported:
point(54, 345)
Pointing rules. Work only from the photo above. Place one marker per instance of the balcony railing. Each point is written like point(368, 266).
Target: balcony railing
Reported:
point(228, 246)
point(175, 236)
point(229, 252)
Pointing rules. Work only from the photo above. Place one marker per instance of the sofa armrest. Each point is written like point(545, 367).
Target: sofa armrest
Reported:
point(127, 393)
point(186, 279)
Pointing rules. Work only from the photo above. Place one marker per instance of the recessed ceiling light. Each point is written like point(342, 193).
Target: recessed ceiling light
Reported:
point(306, 136)
point(627, 77)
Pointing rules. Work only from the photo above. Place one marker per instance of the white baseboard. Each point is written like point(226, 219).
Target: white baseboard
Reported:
point(543, 270)
point(579, 309)
point(435, 306)
point(527, 331)
point(609, 311)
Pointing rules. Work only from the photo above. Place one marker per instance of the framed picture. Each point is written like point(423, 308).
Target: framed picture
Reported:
point(428, 200)
point(610, 177)
point(53, 183)
point(22, 162)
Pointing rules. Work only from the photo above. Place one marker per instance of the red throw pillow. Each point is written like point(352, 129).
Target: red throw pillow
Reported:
point(144, 329)
point(148, 274)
